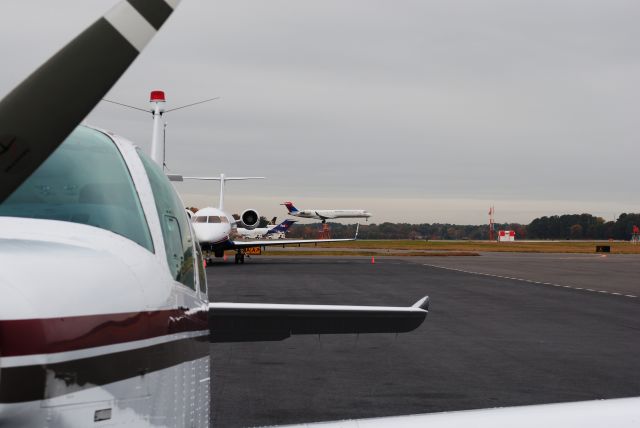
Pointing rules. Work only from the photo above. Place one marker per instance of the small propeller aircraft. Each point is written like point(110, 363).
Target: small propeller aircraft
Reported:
point(113, 324)
point(104, 312)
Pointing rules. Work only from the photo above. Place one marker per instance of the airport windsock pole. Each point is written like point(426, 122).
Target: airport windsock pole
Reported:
point(157, 101)
point(491, 226)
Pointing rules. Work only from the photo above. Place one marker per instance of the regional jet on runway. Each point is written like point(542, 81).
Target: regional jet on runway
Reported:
point(325, 215)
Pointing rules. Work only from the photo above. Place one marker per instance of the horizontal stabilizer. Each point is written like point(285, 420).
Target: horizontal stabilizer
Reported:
point(222, 178)
point(247, 322)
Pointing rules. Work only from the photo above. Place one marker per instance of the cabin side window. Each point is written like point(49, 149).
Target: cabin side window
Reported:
point(174, 222)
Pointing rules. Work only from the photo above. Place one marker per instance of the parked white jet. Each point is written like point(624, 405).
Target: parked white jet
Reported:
point(215, 230)
point(325, 215)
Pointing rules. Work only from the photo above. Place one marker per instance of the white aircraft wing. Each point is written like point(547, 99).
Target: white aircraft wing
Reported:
point(241, 322)
point(283, 242)
point(619, 413)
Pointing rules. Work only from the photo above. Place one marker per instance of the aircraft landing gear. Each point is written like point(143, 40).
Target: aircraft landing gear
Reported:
point(239, 257)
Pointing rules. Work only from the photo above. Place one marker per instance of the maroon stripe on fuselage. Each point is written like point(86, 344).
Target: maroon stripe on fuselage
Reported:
point(49, 335)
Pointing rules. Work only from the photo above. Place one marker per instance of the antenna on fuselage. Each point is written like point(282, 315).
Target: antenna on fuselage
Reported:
point(222, 179)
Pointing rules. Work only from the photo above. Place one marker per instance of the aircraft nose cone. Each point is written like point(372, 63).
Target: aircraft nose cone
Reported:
point(210, 233)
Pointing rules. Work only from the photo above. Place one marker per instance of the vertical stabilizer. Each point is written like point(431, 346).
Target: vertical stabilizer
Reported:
point(221, 198)
point(290, 207)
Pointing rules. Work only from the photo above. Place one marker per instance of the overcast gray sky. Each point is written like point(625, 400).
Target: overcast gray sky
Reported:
point(419, 111)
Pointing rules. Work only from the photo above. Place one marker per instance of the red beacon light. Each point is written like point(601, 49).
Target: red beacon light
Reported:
point(157, 97)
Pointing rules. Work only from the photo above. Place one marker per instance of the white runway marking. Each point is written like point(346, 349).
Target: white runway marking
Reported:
point(530, 281)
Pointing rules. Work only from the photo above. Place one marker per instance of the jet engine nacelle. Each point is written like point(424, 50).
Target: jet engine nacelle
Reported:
point(250, 219)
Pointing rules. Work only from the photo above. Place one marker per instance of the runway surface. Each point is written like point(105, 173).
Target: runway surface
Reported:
point(488, 341)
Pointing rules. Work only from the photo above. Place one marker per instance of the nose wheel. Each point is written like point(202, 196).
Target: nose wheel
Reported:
point(239, 258)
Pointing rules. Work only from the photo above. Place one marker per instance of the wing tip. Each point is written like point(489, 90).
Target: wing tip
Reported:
point(423, 303)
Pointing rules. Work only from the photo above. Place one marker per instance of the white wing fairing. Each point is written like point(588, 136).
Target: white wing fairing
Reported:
point(241, 322)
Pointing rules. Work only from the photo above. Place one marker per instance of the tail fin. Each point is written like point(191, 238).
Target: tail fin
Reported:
point(282, 227)
point(290, 207)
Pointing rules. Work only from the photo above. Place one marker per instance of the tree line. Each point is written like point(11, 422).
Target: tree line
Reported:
point(568, 226)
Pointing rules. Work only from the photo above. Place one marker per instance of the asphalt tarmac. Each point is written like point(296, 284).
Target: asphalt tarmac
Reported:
point(488, 340)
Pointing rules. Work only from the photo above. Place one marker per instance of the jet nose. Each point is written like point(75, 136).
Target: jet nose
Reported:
point(211, 233)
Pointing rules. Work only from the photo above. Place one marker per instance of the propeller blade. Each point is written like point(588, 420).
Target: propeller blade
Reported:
point(41, 112)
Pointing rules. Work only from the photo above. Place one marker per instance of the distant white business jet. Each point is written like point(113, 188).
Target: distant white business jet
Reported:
point(324, 215)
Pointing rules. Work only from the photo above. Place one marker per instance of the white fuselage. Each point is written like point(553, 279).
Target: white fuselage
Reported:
point(100, 327)
point(330, 214)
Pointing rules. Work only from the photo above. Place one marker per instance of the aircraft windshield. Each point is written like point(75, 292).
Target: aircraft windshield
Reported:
point(210, 219)
point(84, 181)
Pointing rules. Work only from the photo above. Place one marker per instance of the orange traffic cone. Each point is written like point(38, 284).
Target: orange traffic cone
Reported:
point(373, 260)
